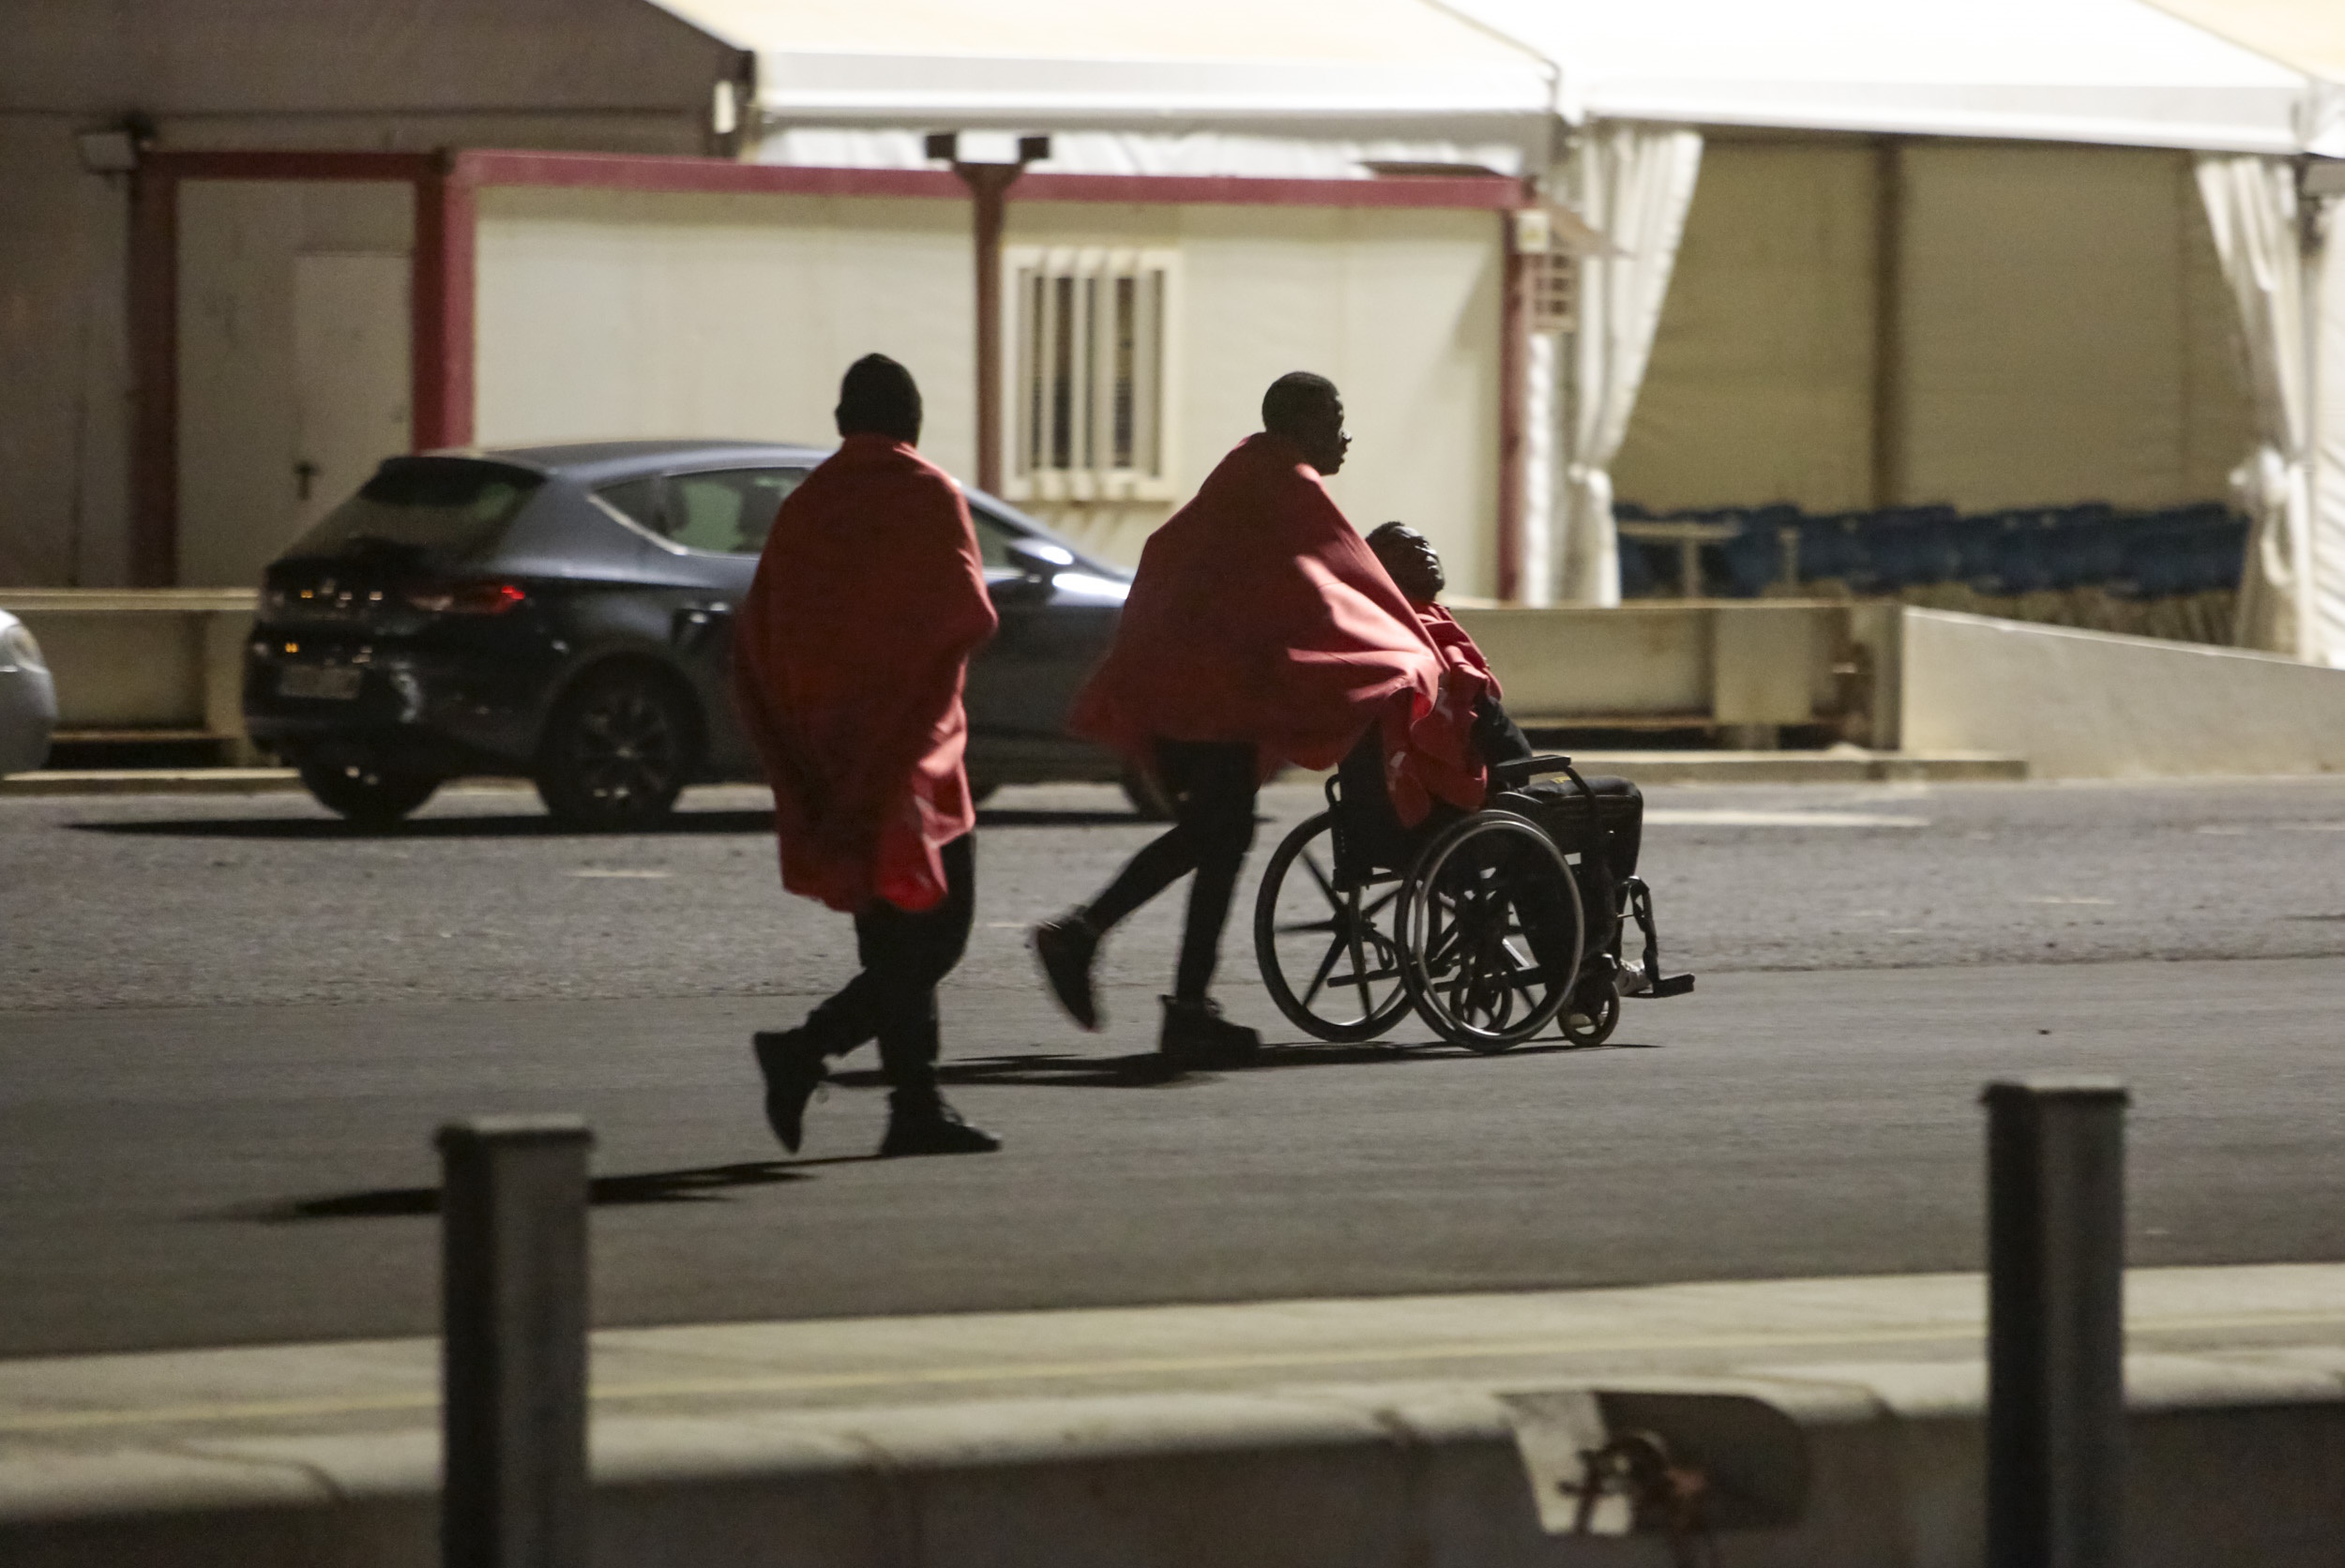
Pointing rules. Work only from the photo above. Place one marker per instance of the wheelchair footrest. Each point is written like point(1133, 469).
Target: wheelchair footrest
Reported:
point(1667, 985)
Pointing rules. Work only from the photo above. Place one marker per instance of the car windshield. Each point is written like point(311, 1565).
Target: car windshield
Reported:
point(448, 507)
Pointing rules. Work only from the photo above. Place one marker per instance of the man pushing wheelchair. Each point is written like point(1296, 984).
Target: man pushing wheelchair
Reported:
point(1260, 631)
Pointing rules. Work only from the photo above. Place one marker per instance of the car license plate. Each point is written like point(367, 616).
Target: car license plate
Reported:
point(332, 682)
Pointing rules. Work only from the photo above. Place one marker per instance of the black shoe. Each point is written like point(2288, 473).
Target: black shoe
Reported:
point(792, 1062)
point(1066, 948)
point(925, 1124)
point(1197, 1036)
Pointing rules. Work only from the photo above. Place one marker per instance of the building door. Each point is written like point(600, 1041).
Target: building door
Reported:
point(352, 374)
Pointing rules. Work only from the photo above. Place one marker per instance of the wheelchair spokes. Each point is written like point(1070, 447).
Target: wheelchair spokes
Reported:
point(1309, 924)
point(1491, 931)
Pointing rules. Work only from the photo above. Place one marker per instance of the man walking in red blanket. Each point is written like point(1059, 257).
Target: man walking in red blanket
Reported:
point(848, 664)
point(1259, 631)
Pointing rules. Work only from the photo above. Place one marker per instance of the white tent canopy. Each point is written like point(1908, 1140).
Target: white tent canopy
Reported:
point(1042, 63)
point(2109, 71)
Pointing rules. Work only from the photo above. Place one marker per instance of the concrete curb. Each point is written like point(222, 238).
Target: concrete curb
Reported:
point(2235, 1459)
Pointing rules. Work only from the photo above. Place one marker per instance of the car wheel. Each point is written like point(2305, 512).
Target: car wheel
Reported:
point(617, 751)
point(368, 794)
point(1147, 796)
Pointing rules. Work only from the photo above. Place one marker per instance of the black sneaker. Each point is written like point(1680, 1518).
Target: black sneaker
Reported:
point(792, 1062)
point(925, 1124)
point(1197, 1036)
point(1066, 948)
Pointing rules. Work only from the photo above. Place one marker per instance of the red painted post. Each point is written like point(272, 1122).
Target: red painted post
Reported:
point(154, 321)
point(441, 345)
point(1514, 330)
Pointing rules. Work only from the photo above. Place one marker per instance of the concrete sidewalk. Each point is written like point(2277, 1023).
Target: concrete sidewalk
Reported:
point(1840, 1418)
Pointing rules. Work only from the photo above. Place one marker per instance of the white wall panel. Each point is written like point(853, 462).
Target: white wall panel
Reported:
point(1398, 307)
point(607, 314)
point(240, 498)
point(630, 315)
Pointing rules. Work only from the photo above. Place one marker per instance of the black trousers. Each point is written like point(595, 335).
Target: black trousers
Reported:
point(905, 955)
point(1212, 784)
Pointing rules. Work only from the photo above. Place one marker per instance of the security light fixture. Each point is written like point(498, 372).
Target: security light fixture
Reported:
point(1003, 147)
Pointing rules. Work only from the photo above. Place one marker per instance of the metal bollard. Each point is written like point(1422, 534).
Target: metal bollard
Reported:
point(513, 1367)
point(2055, 1322)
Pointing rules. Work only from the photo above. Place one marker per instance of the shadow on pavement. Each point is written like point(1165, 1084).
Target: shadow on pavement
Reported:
point(706, 1183)
point(1023, 818)
point(1148, 1070)
point(533, 826)
point(536, 825)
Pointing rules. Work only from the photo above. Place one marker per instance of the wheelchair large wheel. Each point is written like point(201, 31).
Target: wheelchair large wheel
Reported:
point(1491, 931)
point(1328, 964)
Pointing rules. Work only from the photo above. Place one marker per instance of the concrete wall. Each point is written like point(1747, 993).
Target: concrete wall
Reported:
point(1730, 664)
point(65, 376)
point(2085, 704)
point(2231, 1460)
point(627, 314)
point(2061, 333)
point(167, 661)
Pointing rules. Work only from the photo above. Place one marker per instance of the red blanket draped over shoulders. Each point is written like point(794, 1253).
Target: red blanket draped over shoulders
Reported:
point(1258, 615)
point(1458, 650)
point(1437, 759)
point(847, 664)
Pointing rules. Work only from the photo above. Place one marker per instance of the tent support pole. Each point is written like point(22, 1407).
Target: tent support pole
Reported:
point(1514, 331)
point(1888, 379)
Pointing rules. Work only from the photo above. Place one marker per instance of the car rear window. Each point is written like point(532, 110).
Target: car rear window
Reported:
point(449, 508)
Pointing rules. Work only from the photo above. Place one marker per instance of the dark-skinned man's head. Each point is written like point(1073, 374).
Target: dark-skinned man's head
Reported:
point(878, 396)
point(1409, 560)
point(1308, 411)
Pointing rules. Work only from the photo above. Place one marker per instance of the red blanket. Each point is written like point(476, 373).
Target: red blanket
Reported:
point(1258, 615)
point(1458, 651)
point(847, 664)
point(1436, 760)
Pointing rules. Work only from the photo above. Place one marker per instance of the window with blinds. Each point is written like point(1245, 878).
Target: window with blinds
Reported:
point(1091, 332)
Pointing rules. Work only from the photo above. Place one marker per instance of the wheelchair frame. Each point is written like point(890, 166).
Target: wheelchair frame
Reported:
point(1450, 936)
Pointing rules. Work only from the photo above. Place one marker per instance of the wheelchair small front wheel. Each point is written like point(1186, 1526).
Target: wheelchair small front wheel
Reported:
point(1324, 951)
point(1491, 931)
point(1592, 1014)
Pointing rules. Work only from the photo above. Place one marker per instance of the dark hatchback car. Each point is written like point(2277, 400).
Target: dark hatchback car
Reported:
point(564, 613)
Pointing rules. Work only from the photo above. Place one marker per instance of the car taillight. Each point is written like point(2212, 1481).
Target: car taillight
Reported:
point(464, 598)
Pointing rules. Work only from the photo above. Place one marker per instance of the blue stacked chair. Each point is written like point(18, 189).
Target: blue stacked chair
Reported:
point(2143, 555)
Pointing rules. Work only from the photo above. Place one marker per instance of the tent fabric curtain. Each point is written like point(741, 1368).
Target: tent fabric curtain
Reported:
point(2325, 602)
point(2251, 206)
point(1633, 184)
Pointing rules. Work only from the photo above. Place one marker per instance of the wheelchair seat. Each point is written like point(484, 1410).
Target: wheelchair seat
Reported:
point(1582, 815)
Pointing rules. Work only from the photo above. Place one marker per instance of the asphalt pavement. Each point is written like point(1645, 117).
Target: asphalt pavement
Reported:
point(227, 1029)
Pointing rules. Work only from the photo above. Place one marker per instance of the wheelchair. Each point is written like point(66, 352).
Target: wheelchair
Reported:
point(1489, 924)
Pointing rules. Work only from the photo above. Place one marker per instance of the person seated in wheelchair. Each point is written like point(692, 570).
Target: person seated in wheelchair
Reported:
point(1604, 822)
